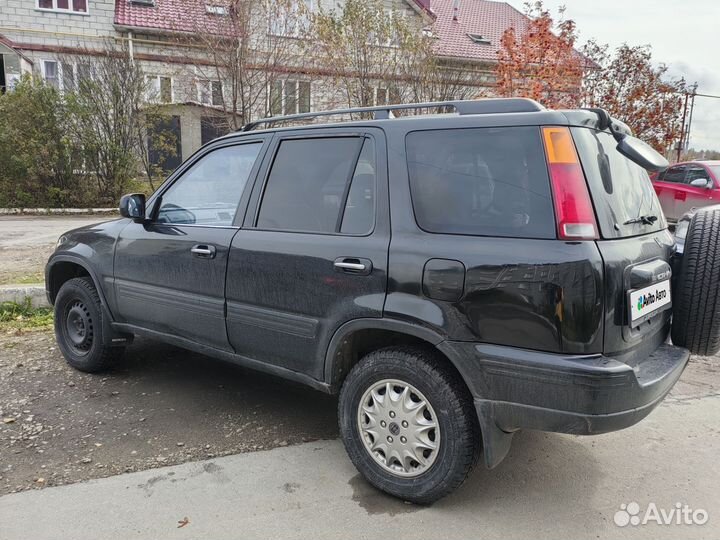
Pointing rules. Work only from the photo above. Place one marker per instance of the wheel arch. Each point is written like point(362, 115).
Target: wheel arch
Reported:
point(358, 337)
point(62, 268)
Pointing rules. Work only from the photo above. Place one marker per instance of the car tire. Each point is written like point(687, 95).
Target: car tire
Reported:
point(79, 327)
point(696, 304)
point(449, 407)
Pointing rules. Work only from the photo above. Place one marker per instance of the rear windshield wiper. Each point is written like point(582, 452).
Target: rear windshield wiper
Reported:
point(645, 220)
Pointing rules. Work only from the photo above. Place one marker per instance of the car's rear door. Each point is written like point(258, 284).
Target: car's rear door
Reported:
point(635, 245)
point(313, 251)
point(169, 272)
point(690, 196)
point(667, 186)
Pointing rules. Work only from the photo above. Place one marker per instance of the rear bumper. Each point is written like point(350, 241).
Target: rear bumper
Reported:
point(518, 389)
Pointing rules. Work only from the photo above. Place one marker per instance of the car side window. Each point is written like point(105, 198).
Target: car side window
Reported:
point(209, 192)
point(480, 181)
point(324, 185)
point(696, 172)
point(674, 174)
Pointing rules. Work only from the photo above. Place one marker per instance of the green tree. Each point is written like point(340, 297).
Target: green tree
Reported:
point(105, 115)
point(368, 48)
point(37, 158)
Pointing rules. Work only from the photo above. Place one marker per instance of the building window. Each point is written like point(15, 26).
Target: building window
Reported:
point(65, 75)
point(159, 89)
point(385, 96)
point(67, 70)
point(51, 73)
point(392, 17)
point(210, 92)
point(216, 10)
point(289, 97)
point(65, 6)
point(10, 71)
point(212, 127)
point(292, 20)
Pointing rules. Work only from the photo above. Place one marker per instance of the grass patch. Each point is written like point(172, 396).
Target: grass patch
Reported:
point(21, 316)
point(23, 279)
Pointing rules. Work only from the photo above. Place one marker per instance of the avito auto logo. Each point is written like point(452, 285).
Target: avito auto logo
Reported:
point(649, 299)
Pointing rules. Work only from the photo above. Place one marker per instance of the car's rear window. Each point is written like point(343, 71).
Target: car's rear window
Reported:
point(481, 181)
point(620, 189)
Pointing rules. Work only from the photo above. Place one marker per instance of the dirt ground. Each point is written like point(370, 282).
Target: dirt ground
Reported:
point(161, 406)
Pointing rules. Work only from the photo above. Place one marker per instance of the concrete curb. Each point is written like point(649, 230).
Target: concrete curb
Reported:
point(55, 211)
point(18, 294)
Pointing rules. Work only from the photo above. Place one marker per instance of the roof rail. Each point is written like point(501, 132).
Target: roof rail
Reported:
point(462, 107)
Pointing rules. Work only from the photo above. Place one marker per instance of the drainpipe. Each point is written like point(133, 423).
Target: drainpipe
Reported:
point(130, 47)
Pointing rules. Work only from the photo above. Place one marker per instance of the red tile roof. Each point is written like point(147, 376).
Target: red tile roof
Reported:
point(482, 17)
point(167, 15)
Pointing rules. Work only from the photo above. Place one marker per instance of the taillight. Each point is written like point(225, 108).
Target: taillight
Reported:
point(573, 208)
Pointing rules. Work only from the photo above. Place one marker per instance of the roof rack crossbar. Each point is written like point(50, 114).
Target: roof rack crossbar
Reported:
point(384, 112)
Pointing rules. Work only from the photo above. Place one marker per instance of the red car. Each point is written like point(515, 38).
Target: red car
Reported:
point(687, 185)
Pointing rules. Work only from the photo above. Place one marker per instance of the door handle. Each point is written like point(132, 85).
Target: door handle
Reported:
point(353, 265)
point(203, 251)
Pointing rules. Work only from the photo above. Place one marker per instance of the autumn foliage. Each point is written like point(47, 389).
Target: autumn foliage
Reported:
point(632, 89)
point(542, 61)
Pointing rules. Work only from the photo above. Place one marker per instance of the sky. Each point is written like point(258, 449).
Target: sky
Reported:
point(685, 35)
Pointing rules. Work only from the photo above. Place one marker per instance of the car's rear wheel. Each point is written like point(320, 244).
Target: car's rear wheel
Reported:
point(696, 303)
point(79, 327)
point(408, 424)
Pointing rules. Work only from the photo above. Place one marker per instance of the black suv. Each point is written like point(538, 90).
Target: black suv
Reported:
point(455, 277)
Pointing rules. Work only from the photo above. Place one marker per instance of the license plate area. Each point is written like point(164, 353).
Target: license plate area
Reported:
point(646, 302)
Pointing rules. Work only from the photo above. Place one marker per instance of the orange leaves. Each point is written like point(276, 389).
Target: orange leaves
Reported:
point(540, 62)
point(637, 92)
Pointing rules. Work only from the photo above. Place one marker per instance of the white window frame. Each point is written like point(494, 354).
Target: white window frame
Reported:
point(278, 26)
point(202, 80)
point(376, 90)
point(69, 11)
point(212, 9)
point(391, 91)
point(283, 109)
point(61, 64)
point(390, 13)
point(157, 88)
point(58, 76)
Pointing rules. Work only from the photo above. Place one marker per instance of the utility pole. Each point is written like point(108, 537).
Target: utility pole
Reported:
point(692, 108)
point(682, 129)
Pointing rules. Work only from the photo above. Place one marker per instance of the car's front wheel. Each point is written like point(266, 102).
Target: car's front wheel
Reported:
point(408, 424)
point(79, 327)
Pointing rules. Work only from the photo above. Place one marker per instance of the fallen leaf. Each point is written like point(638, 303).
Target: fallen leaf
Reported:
point(184, 521)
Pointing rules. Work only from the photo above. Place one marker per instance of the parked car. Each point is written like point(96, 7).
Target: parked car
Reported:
point(687, 185)
point(454, 278)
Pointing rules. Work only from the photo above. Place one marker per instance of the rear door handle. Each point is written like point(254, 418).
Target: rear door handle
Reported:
point(203, 251)
point(353, 265)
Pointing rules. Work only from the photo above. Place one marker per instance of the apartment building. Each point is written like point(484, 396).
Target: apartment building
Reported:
point(53, 38)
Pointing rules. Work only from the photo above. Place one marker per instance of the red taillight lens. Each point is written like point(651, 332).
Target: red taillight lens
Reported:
point(573, 208)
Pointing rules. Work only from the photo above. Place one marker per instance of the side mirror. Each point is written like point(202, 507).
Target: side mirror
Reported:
point(701, 182)
point(133, 206)
point(641, 153)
